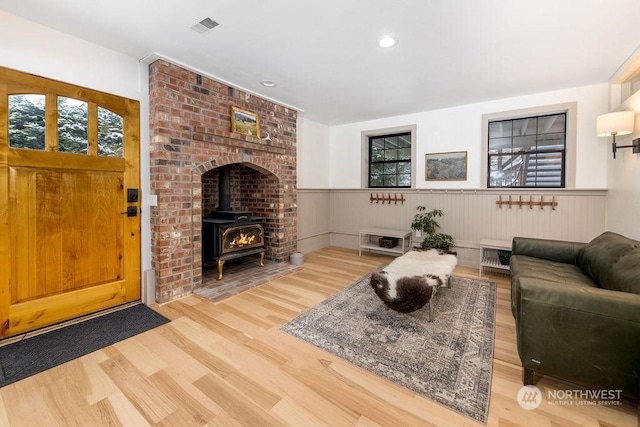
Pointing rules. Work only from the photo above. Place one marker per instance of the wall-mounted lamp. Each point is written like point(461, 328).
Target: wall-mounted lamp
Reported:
point(618, 123)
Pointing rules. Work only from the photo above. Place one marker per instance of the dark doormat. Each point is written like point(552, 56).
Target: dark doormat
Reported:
point(32, 355)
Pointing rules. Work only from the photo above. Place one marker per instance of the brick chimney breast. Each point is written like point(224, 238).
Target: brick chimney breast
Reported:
point(190, 137)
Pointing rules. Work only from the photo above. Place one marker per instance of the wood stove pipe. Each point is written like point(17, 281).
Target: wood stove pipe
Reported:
point(224, 189)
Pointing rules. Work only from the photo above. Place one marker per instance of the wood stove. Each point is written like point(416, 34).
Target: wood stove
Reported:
point(229, 234)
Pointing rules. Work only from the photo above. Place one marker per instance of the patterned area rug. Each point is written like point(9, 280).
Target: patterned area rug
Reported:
point(448, 360)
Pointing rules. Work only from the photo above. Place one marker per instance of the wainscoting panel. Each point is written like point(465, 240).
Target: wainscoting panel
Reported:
point(313, 220)
point(469, 215)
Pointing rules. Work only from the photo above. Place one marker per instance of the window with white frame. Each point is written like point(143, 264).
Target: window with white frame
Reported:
point(390, 161)
point(532, 148)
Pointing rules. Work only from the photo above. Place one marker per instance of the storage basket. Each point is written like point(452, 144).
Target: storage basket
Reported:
point(504, 257)
point(388, 242)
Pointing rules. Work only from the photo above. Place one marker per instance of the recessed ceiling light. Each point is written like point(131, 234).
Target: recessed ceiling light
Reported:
point(268, 83)
point(387, 41)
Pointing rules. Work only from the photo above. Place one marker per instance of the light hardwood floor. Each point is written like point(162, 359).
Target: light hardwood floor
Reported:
point(227, 364)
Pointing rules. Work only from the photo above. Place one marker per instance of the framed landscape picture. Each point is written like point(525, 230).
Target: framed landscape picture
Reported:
point(451, 166)
point(245, 122)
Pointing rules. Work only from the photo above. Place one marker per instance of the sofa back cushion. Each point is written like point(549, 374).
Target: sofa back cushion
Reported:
point(612, 261)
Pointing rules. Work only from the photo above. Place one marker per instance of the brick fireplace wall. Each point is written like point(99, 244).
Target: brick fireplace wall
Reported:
point(190, 121)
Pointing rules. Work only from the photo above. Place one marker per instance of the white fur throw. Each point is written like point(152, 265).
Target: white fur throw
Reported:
point(421, 263)
point(411, 280)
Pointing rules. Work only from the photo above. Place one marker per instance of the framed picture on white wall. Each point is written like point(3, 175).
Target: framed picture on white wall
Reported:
point(450, 166)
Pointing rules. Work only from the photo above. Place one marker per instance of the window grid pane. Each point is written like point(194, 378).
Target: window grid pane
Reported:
point(390, 161)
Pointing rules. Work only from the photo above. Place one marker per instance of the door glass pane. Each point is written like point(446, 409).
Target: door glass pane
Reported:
point(26, 121)
point(110, 130)
point(72, 125)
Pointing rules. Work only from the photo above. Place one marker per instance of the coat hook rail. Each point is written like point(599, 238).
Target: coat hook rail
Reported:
point(531, 202)
point(395, 198)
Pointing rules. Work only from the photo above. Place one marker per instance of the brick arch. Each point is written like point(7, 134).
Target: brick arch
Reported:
point(256, 163)
point(268, 204)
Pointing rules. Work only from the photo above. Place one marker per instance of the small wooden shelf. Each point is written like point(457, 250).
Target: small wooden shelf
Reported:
point(366, 242)
point(489, 254)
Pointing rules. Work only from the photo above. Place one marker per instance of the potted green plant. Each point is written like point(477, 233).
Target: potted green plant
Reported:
point(426, 223)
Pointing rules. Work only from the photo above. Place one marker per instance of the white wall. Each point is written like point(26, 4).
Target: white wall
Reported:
point(460, 129)
point(623, 200)
point(39, 50)
point(313, 154)
point(33, 48)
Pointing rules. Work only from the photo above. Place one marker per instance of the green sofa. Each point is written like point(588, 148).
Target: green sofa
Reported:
point(577, 310)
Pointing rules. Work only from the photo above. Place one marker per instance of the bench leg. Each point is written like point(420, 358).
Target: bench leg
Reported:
point(449, 282)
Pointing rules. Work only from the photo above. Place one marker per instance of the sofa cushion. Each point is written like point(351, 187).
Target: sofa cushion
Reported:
point(523, 266)
point(612, 261)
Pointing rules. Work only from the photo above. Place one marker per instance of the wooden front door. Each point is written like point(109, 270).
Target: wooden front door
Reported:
point(68, 157)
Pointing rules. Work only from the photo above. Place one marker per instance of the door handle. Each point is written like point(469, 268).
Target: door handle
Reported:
point(131, 211)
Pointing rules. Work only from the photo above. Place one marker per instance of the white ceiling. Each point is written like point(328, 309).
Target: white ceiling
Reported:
point(325, 59)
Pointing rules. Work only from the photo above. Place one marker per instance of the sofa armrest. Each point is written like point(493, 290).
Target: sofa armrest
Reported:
point(552, 250)
point(585, 335)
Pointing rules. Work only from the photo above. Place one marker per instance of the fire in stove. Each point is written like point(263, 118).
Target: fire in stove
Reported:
point(242, 240)
point(242, 237)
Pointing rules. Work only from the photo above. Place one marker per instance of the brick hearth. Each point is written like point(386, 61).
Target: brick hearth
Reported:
point(190, 121)
point(240, 275)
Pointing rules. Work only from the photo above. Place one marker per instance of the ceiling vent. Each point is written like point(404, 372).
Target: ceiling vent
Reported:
point(205, 26)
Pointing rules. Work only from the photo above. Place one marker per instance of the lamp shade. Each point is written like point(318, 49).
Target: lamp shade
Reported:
point(618, 123)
